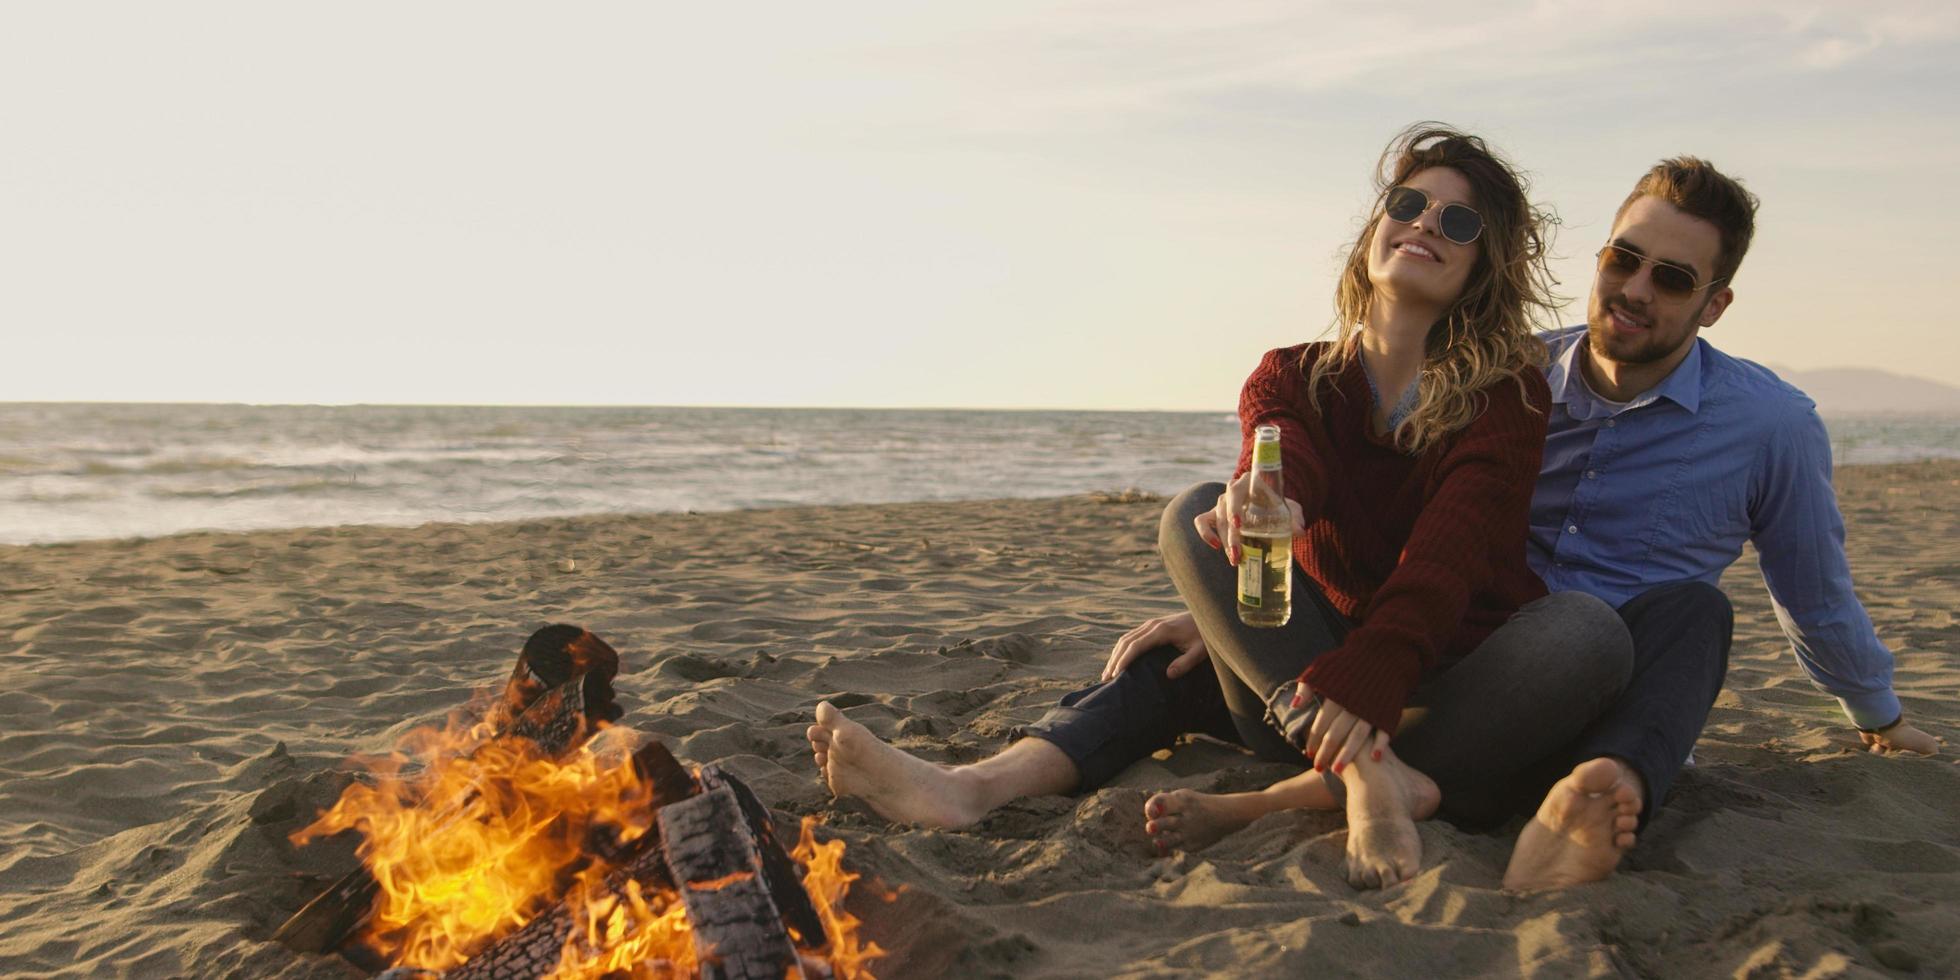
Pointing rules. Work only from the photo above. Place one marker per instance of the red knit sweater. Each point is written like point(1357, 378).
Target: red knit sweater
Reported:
point(1425, 552)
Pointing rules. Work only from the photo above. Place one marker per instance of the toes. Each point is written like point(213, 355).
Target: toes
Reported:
point(1164, 803)
point(827, 714)
point(1595, 777)
point(1363, 873)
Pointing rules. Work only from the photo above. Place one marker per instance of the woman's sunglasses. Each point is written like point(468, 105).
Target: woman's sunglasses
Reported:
point(1669, 280)
point(1458, 222)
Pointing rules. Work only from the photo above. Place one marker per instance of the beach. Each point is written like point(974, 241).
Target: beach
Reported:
point(175, 706)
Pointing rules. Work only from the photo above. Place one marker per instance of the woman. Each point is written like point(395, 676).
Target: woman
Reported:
point(1410, 446)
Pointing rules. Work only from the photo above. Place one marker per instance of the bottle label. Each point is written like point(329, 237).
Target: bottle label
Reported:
point(1252, 567)
point(1265, 454)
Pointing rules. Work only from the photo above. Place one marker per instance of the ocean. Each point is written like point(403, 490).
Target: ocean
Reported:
point(85, 471)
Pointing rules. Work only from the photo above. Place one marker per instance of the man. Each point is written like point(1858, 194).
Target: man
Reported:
point(1664, 455)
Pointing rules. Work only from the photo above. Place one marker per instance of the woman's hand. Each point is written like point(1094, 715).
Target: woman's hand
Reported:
point(1338, 736)
point(1180, 631)
point(1219, 526)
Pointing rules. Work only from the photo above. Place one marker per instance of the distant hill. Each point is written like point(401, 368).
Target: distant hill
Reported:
point(1869, 391)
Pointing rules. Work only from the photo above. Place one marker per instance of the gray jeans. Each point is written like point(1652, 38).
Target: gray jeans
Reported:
point(1485, 728)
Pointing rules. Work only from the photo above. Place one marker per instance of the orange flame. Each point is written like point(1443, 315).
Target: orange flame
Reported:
point(490, 834)
point(626, 935)
point(828, 883)
point(474, 846)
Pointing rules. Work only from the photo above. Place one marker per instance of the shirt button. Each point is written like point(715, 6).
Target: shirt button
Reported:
point(1592, 474)
point(1610, 422)
point(1572, 529)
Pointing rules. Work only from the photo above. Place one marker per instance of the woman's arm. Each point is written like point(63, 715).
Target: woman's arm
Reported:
point(1276, 394)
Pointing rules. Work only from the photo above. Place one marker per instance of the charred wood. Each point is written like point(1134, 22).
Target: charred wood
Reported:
point(715, 860)
point(780, 875)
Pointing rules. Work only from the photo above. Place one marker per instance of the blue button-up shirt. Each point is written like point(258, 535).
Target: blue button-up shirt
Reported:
point(1667, 487)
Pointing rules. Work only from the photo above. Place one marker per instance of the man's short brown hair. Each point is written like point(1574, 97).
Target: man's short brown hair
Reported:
point(1696, 187)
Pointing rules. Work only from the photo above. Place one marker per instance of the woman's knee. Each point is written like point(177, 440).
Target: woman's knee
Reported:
point(1590, 634)
point(1176, 529)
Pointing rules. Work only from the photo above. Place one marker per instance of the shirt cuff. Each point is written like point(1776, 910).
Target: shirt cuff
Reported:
point(1872, 710)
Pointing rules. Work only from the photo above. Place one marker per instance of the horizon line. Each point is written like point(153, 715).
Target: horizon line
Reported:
point(717, 405)
point(1231, 411)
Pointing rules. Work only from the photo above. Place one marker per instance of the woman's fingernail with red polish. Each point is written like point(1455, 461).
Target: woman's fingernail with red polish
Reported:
point(1317, 767)
point(1337, 767)
point(1378, 755)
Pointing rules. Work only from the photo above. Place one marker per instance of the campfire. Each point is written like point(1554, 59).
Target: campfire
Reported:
point(532, 837)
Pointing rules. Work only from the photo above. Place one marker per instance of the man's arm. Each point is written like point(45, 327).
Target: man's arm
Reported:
point(1797, 530)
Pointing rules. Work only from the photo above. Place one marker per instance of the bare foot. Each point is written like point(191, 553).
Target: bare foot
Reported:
point(1582, 829)
point(900, 787)
point(1192, 821)
point(1185, 819)
point(1385, 799)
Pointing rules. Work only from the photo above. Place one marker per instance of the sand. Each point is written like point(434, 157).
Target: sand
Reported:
point(173, 707)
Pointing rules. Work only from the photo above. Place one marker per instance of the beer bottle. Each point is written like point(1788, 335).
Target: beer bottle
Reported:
point(1266, 532)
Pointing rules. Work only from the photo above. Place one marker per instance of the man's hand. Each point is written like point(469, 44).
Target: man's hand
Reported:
point(1219, 526)
point(1180, 631)
point(1901, 737)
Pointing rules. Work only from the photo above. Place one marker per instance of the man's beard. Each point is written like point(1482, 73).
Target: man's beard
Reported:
point(1654, 346)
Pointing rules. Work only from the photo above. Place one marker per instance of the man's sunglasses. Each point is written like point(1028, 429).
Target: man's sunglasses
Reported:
point(1458, 222)
point(1669, 280)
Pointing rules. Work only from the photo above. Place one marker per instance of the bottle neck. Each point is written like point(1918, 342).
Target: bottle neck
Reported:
point(1268, 477)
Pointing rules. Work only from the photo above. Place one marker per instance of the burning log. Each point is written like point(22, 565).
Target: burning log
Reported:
point(525, 848)
point(555, 721)
point(778, 872)
point(718, 849)
point(535, 950)
point(744, 898)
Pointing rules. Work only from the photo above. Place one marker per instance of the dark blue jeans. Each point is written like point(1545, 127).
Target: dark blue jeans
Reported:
point(1681, 635)
point(1483, 728)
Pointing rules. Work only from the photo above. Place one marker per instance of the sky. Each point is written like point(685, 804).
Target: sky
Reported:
point(992, 205)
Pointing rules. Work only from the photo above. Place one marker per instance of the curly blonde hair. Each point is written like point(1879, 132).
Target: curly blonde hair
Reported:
point(1490, 332)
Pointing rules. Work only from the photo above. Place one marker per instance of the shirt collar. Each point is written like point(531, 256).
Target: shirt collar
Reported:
point(1682, 386)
